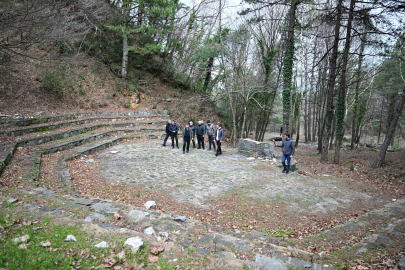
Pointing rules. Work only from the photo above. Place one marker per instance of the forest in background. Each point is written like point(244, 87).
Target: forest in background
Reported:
point(332, 70)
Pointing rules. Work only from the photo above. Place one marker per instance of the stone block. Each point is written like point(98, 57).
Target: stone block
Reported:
point(251, 148)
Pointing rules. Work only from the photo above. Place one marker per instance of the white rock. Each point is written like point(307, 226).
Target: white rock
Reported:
point(21, 239)
point(102, 244)
point(150, 205)
point(149, 231)
point(90, 160)
point(70, 238)
point(12, 201)
point(113, 152)
point(162, 236)
point(136, 215)
point(134, 243)
point(274, 160)
point(250, 158)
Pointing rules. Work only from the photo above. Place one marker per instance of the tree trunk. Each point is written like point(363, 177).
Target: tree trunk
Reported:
point(288, 68)
point(331, 86)
point(380, 159)
point(341, 103)
point(124, 65)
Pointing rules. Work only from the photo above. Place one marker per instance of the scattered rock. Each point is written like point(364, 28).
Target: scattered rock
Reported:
point(269, 263)
point(149, 231)
point(180, 218)
point(226, 254)
point(83, 201)
point(12, 201)
point(70, 238)
point(150, 205)
point(95, 216)
point(167, 99)
point(250, 158)
point(136, 215)
point(21, 239)
point(254, 265)
point(162, 236)
point(384, 241)
point(102, 244)
point(203, 251)
point(90, 160)
point(134, 243)
point(401, 264)
point(113, 152)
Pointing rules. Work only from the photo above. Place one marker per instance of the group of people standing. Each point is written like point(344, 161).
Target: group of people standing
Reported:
point(191, 133)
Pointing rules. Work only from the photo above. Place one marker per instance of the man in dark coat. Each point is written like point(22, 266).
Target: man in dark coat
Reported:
point(167, 132)
point(187, 136)
point(193, 135)
point(200, 132)
point(219, 137)
point(288, 152)
point(173, 133)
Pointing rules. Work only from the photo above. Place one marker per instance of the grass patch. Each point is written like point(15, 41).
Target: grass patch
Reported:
point(46, 248)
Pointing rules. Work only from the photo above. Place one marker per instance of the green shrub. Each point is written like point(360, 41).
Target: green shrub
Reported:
point(351, 167)
point(64, 48)
point(52, 82)
point(127, 104)
point(154, 106)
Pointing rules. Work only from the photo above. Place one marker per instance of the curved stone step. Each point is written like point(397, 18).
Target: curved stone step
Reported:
point(49, 127)
point(9, 122)
point(6, 154)
point(37, 140)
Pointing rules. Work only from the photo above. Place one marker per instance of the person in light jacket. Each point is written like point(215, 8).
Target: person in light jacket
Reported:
point(288, 152)
point(219, 137)
point(210, 135)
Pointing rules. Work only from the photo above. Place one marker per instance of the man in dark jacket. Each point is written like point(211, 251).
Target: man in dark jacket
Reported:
point(167, 132)
point(173, 133)
point(288, 152)
point(187, 136)
point(219, 137)
point(192, 129)
point(200, 132)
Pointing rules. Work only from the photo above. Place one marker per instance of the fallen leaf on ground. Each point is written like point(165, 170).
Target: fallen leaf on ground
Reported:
point(156, 249)
point(46, 244)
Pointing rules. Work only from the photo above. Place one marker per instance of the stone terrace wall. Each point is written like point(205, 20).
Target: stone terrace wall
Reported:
point(251, 148)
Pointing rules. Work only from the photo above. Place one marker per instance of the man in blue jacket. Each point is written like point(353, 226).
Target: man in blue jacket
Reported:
point(219, 137)
point(173, 133)
point(288, 152)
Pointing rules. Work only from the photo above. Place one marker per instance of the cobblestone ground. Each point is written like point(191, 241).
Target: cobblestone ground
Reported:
point(199, 175)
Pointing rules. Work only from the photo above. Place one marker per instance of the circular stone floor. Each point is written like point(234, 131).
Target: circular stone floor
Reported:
point(196, 176)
